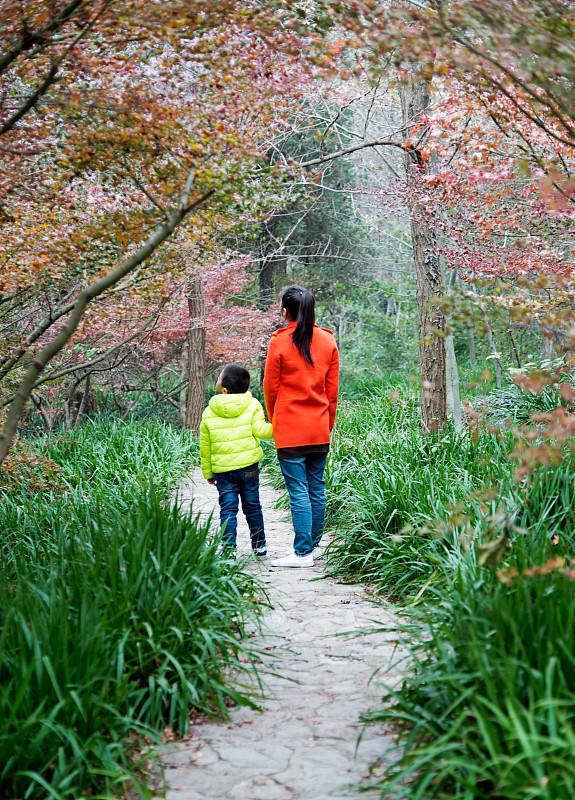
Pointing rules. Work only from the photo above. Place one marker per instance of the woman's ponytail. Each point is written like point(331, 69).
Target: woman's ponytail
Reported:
point(300, 304)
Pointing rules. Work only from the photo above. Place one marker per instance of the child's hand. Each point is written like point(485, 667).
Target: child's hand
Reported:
point(212, 481)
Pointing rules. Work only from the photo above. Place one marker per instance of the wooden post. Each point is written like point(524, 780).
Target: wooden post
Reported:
point(196, 356)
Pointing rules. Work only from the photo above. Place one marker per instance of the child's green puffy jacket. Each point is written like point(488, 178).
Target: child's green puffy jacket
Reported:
point(231, 428)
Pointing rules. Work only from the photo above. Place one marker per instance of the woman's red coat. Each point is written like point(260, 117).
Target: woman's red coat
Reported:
point(301, 400)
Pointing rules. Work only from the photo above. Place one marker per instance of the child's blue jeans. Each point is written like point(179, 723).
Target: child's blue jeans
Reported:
point(245, 484)
point(306, 488)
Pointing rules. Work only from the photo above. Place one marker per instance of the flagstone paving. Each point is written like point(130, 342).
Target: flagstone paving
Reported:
point(303, 745)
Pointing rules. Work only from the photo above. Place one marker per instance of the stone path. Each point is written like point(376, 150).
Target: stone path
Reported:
point(303, 745)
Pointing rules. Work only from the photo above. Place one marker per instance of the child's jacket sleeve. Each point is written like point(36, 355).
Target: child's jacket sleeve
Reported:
point(206, 451)
point(260, 428)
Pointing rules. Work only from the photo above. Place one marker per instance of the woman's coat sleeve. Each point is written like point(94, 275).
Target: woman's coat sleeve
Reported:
point(332, 386)
point(272, 377)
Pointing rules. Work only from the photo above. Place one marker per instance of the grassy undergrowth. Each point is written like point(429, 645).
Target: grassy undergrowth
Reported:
point(487, 707)
point(116, 616)
point(387, 484)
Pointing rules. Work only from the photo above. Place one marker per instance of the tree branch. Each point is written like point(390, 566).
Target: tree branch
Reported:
point(348, 150)
point(51, 76)
point(53, 376)
point(46, 323)
point(28, 41)
point(43, 358)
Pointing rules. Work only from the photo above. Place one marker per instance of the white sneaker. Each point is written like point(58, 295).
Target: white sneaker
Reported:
point(291, 560)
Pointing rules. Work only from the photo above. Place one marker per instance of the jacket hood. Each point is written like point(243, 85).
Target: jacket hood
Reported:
point(230, 405)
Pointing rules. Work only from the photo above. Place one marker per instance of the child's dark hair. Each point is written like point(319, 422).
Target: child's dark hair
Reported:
point(235, 379)
point(300, 304)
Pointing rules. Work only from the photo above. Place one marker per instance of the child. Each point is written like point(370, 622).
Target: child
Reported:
point(231, 427)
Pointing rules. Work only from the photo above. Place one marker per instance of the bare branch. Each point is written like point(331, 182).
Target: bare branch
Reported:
point(348, 150)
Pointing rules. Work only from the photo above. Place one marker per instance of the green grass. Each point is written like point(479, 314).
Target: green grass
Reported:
point(91, 464)
point(487, 707)
point(515, 404)
point(387, 484)
point(116, 615)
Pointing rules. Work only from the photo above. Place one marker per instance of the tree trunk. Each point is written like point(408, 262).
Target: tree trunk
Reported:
point(280, 270)
point(492, 349)
point(494, 353)
point(398, 310)
point(471, 345)
point(452, 373)
point(270, 264)
point(196, 357)
point(546, 344)
point(266, 281)
point(48, 419)
point(429, 283)
point(397, 320)
point(184, 382)
point(83, 401)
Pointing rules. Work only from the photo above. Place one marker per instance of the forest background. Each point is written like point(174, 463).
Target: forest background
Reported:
point(166, 169)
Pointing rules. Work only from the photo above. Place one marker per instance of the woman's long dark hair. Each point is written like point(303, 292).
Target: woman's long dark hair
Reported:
point(300, 304)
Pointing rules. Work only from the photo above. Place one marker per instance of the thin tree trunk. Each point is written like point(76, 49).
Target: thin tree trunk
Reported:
point(429, 283)
point(495, 354)
point(397, 319)
point(452, 372)
point(84, 400)
point(280, 271)
point(546, 346)
point(266, 281)
point(514, 348)
point(196, 357)
point(492, 349)
point(46, 418)
point(453, 397)
point(471, 345)
point(398, 312)
point(184, 382)
point(69, 406)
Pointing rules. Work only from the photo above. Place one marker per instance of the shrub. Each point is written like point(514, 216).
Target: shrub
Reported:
point(549, 499)
point(488, 708)
point(123, 624)
point(387, 483)
point(116, 615)
point(515, 404)
point(488, 705)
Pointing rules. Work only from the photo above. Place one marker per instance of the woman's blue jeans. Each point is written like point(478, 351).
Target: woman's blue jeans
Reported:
point(306, 488)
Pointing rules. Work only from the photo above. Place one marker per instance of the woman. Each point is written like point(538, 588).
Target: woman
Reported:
point(300, 391)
